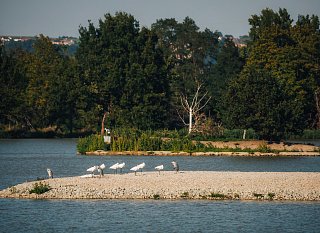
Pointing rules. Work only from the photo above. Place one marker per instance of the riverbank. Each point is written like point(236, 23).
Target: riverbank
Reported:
point(302, 186)
point(231, 148)
point(182, 153)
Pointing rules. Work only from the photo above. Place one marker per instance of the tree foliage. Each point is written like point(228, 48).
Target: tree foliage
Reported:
point(124, 71)
point(136, 76)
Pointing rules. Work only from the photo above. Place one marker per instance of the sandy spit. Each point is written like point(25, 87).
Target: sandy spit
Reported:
point(302, 186)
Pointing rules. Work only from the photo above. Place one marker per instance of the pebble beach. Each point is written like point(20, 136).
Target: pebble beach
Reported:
point(300, 186)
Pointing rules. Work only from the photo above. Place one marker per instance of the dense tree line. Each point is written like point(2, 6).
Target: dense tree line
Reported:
point(138, 76)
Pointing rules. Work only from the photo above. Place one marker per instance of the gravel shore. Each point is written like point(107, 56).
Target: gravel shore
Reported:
point(183, 185)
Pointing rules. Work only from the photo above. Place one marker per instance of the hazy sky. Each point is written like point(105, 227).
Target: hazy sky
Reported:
point(62, 17)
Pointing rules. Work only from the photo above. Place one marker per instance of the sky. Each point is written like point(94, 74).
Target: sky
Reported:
point(56, 18)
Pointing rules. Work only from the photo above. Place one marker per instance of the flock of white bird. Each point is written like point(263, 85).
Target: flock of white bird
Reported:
point(120, 166)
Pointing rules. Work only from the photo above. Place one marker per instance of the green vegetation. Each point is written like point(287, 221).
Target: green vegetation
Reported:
point(258, 195)
point(271, 195)
point(217, 196)
point(91, 143)
point(40, 188)
point(140, 77)
point(139, 140)
point(184, 195)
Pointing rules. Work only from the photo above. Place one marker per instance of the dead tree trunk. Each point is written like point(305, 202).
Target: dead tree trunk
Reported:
point(192, 108)
point(102, 123)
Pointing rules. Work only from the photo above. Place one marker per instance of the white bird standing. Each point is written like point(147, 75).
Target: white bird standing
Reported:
point(175, 166)
point(115, 167)
point(135, 169)
point(141, 166)
point(159, 168)
point(120, 166)
point(50, 173)
point(92, 169)
point(100, 169)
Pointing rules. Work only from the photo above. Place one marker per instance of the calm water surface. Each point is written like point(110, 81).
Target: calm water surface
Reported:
point(27, 159)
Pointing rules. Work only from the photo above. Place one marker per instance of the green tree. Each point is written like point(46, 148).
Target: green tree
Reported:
point(12, 93)
point(123, 71)
point(53, 87)
point(258, 100)
point(228, 65)
point(289, 53)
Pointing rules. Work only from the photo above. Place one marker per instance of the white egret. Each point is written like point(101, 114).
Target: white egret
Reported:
point(159, 168)
point(50, 173)
point(115, 167)
point(141, 166)
point(92, 169)
point(100, 169)
point(175, 166)
point(120, 166)
point(135, 169)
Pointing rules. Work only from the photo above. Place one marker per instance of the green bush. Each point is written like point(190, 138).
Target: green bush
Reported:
point(40, 188)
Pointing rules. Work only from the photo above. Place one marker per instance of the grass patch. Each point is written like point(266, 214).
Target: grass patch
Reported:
point(40, 188)
point(217, 195)
point(258, 195)
point(264, 148)
point(185, 195)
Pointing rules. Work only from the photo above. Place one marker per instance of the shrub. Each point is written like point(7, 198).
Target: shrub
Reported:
point(264, 148)
point(184, 195)
point(258, 195)
point(40, 188)
point(271, 195)
point(217, 195)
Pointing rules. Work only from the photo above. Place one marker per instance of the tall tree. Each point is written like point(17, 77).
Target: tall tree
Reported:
point(290, 53)
point(53, 88)
point(258, 100)
point(227, 66)
point(122, 69)
point(12, 93)
point(188, 55)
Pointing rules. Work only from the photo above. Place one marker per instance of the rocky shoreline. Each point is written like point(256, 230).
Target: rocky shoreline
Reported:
point(301, 186)
point(182, 153)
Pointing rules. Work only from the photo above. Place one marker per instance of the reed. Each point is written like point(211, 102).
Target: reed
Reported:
point(90, 143)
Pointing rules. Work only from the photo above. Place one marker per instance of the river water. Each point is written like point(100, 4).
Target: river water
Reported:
point(28, 159)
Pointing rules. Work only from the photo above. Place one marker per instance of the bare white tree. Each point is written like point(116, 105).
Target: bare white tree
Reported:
point(193, 109)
